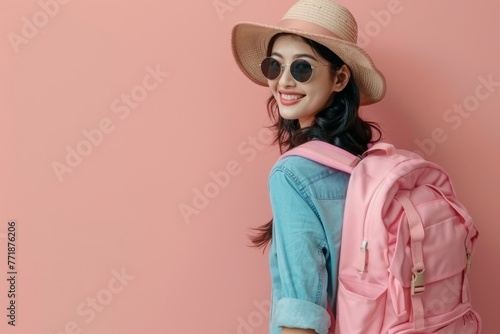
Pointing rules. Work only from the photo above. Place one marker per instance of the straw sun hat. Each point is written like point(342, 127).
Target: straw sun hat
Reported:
point(323, 21)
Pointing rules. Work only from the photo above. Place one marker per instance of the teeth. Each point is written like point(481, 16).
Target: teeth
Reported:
point(290, 97)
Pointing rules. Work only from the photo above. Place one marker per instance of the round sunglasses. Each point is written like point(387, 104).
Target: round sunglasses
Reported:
point(300, 69)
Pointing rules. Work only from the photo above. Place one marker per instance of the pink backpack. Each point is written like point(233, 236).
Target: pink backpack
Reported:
point(406, 244)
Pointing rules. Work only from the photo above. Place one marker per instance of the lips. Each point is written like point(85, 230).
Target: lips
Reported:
point(290, 98)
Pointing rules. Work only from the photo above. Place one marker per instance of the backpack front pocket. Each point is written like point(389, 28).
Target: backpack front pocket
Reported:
point(360, 306)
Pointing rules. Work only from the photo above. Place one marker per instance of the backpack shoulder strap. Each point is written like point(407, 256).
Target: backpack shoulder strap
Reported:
point(325, 154)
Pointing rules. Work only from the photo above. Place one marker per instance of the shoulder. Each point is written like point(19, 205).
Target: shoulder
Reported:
point(308, 176)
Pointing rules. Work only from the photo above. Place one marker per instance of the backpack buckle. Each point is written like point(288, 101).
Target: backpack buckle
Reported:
point(418, 282)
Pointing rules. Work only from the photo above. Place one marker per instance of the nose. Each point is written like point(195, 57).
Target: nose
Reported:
point(286, 79)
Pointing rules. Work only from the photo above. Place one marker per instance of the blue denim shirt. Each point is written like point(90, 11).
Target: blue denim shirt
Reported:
point(307, 200)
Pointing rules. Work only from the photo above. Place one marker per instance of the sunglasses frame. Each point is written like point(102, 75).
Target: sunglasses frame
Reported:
point(290, 66)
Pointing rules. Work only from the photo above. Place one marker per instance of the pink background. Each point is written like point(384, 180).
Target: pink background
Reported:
point(102, 246)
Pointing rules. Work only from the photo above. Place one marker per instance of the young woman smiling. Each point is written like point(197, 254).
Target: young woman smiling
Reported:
point(318, 78)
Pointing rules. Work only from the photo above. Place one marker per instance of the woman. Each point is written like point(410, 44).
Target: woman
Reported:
point(318, 78)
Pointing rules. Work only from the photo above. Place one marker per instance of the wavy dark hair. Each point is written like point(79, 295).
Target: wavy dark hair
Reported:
point(338, 123)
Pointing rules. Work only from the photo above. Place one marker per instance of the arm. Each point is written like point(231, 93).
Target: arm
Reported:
point(286, 330)
point(298, 260)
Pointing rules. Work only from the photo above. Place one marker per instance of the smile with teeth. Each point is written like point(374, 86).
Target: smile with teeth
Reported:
point(289, 97)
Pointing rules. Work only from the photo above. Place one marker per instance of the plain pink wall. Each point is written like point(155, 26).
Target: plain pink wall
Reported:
point(162, 122)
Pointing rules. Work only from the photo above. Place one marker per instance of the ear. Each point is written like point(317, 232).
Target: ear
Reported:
point(341, 78)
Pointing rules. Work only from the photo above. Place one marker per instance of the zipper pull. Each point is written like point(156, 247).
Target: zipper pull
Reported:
point(360, 264)
point(469, 262)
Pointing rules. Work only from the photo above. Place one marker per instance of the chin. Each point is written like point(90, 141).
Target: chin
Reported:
point(288, 117)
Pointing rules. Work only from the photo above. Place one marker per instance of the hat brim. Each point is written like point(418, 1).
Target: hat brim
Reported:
point(249, 42)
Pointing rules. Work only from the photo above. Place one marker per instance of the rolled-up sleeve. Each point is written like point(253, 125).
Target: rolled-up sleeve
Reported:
point(299, 250)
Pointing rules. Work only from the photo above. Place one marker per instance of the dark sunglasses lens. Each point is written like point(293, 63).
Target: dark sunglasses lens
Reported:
point(271, 68)
point(301, 70)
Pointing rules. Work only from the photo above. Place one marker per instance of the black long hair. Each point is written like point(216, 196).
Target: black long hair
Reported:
point(338, 124)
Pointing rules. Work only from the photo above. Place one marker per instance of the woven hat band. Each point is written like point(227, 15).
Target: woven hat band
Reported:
point(310, 27)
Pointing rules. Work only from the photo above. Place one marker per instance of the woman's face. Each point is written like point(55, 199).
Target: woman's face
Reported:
point(297, 100)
